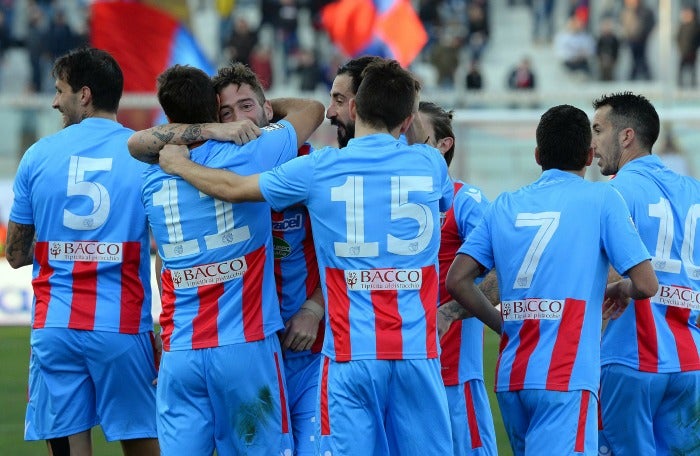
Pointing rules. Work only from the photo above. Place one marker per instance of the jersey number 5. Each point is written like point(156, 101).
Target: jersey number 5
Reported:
point(78, 186)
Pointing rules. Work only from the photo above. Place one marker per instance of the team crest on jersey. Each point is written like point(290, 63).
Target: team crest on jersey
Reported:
point(107, 252)
point(532, 309)
point(209, 274)
point(281, 247)
point(273, 127)
point(384, 279)
point(675, 296)
point(474, 194)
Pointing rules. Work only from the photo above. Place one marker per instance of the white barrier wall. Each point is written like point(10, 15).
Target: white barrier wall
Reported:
point(16, 295)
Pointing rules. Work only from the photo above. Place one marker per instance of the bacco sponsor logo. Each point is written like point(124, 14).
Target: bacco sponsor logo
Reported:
point(109, 252)
point(287, 224)
point(532, 309)
point(384, 279)
point(209, 274)
point(675, 296)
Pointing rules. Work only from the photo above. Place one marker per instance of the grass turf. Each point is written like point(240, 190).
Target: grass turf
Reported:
point(14, 360)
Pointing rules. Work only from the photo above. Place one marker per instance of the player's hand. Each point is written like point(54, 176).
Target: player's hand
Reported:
point(300, 331)
point(443, 322)
point(171, 155)
point(239, 132)
point(616, 300)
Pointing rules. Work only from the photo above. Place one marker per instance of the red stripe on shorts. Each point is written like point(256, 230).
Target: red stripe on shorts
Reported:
point(325, 418)
point(283, 397)
point(471, 417)
point(581, 428)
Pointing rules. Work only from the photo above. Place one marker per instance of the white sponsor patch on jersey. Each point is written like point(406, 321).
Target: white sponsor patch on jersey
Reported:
point(209, 274)
point(674, 296)
point(107, 252)
point(273, 127)
point(384, 279)
point(532, 309)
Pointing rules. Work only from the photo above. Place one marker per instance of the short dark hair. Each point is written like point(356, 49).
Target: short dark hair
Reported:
point(355, 67)
point(629, 110)
point(238, 73)
point(441, 120)
point(187, 95)
point(563, 138)
point(95, 69)
point(387, 94)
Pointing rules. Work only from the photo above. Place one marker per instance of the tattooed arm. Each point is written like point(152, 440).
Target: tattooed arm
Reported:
point(145, 145)
point(452, 311)
point(19, 249)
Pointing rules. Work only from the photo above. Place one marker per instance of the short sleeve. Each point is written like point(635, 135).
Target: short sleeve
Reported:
point(289, 183)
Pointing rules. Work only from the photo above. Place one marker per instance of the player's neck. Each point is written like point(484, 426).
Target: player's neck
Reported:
point(104, 115)
point(363, 129)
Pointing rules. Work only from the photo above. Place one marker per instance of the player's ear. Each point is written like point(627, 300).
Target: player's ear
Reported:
point(353, 109)
point(267, 109)
point(537, 156)
point(445, 144)
point(85, 95)
point(406, 124)
point(589, 159)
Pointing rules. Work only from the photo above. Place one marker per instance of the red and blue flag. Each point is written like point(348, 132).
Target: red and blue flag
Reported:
point(388, 28)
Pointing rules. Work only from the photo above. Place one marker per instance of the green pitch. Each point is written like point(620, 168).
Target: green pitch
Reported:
point(14, 361)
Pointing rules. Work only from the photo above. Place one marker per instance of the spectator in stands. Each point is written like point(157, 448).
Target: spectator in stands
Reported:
point(60, 37)
point(261, 64)
point(607, 49)
point(575, 47)
point(542, 21)
point(474, 80)
point(445, 59)
point(477, 28)
point(34, 43)
point(521, 77)
point(688, 40)
point(428, 12)
point(308, 70)
point(284, 19)
point(638, 22)
point(241, 42)
point(671, 153)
